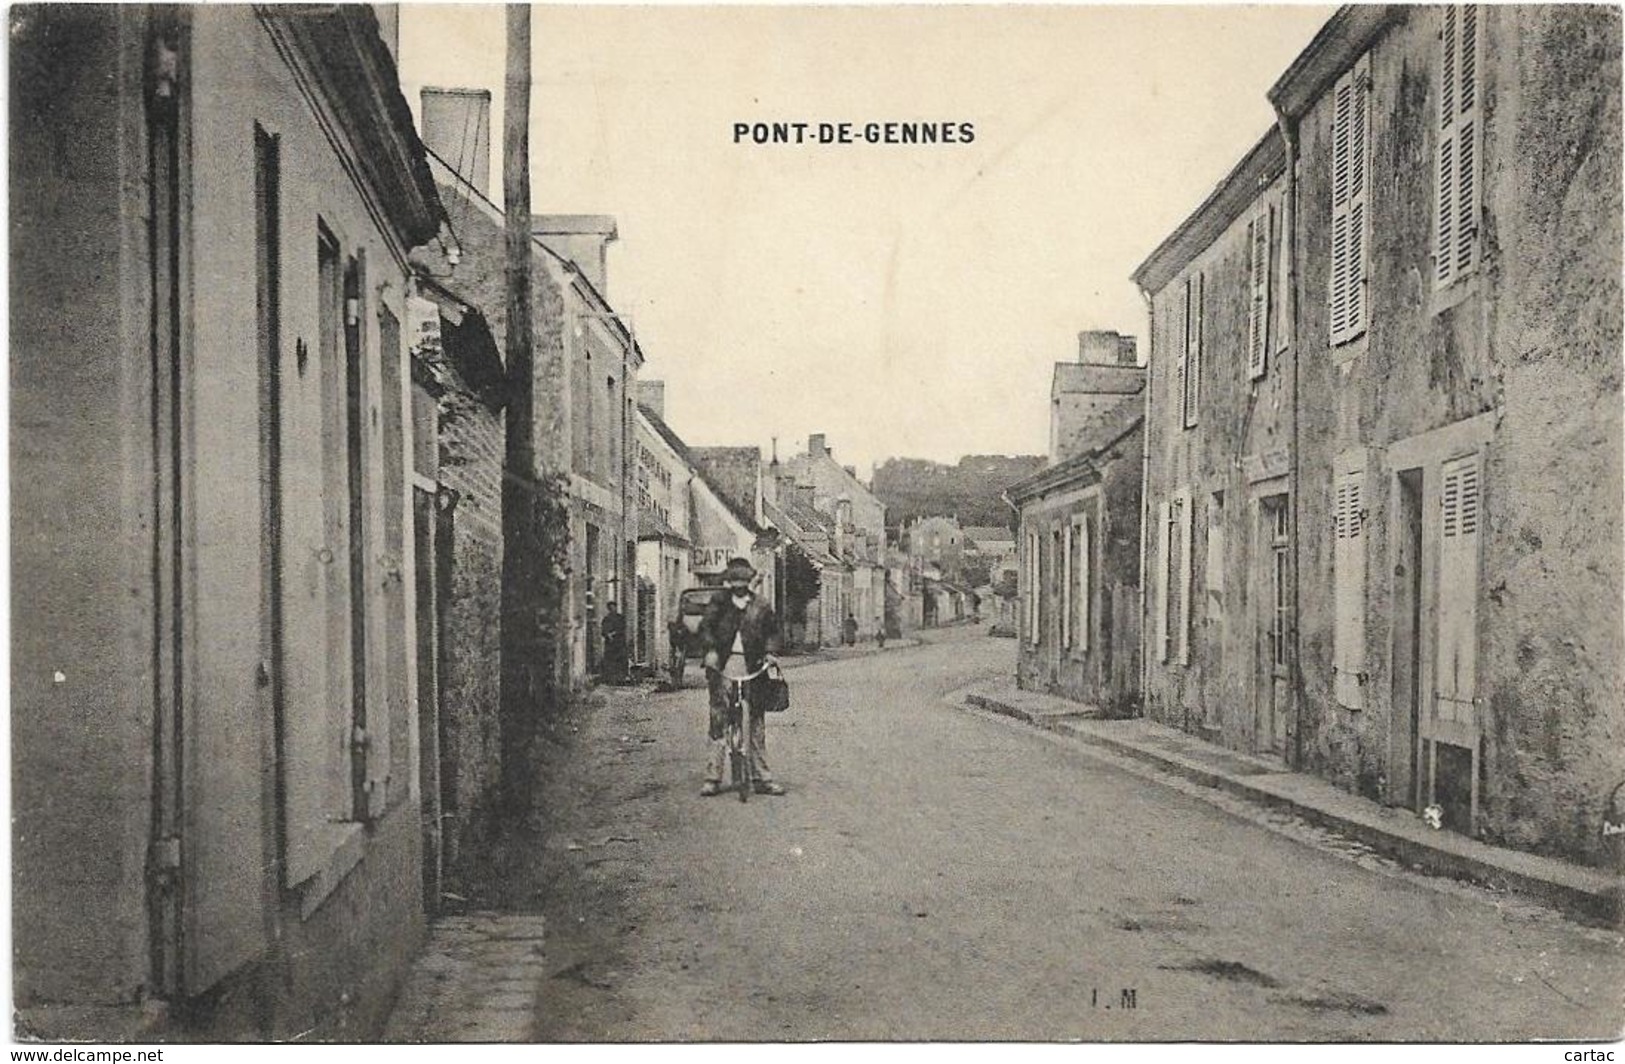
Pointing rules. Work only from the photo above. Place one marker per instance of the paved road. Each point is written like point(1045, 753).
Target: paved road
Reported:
point(936, 874)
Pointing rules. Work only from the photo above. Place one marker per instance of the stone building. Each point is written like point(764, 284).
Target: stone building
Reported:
point(1079, 535)
point(859, 519)
point(585, 361)
point(216, 807)
point(665, 485)
point(1421, 467)
point(730, 519)
point(459, 389)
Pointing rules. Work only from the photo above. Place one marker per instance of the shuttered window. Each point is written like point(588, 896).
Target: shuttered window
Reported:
point(1460, 503)
point(1161, 567)
point(1064, 539)
point(1348, 561)
point(1351, 180)
point(1032, 588)
point(1456, 191)
point(1258, 308)
point(1185, 522)
point(1189, 370)
point(1084, 568)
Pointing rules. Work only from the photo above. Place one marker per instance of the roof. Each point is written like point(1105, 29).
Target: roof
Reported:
point(468, 342)
point(1229, 200)
point(461, 186)
point(686, 453)
point(1339, 42)
point(357, 75)
point(704, 460)
point(797, 536)
point(1081, 468)
point(1072, 378)
point(652, 526)
point(988, 534)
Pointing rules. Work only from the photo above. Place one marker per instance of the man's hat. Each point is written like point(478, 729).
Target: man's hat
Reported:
point(738, 569)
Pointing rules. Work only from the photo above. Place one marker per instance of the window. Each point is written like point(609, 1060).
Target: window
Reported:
point(1456, 193)
point(1056, 573)
point(1080, 581)
point(1188, 376)
point(1068, 567)
point(1348, 562)
point(1173, 601)
point(1032, 588)
point(1351, 180)
point(1258, 308)
point(1460, 505)
point(1185, 517)
point(1280, 620)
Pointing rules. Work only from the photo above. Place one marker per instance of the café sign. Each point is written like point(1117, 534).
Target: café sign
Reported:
point(709, 560)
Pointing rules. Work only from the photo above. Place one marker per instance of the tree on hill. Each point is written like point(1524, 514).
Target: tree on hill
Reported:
point(971, 490)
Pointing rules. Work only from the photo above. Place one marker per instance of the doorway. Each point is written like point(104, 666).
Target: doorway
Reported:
point(1406, 752)
point(1273, 579)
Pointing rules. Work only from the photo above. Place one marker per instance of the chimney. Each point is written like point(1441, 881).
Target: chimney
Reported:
point(652, 394)
point(457, 127)
point(1105, 347)
point(584, 239)
point(815, 445)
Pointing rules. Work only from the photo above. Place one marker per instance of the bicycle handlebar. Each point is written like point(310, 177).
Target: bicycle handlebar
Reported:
point(741, 679)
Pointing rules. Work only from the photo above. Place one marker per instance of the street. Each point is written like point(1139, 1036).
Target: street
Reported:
point(934, 874)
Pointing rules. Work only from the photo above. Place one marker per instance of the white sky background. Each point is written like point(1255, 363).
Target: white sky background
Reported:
point(904, 300)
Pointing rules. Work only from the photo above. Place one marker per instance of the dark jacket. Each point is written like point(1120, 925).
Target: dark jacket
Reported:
point(758, 625)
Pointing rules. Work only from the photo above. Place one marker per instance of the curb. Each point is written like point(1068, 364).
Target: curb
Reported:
point(1588, 894)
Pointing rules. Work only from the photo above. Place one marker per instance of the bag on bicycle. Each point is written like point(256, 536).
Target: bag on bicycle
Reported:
point(773, 691)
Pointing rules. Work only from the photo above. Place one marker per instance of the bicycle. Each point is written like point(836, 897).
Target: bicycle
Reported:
point(741, 775)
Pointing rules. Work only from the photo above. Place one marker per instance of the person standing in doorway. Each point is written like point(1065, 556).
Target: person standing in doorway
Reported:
point(614, 629)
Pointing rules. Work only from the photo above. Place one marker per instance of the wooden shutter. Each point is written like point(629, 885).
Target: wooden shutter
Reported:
point(1081, 536)
point(1065, 589)
point(1350, 144)
point(1187, 575)
point(1348, 561)
point(1258, 313)
point(1191, 368)
point(1456, 199)
point(1161, 569)
point(1182, 369)
point(1460, 502)
point(1032, 588)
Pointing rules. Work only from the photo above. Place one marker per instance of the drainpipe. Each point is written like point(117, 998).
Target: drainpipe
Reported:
point(1145, 501)
point(1289, 232)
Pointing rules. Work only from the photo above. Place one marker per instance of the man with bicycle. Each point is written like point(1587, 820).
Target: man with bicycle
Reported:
point(740, 634)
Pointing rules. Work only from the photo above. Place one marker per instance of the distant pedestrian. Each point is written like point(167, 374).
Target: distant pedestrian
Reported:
point(880, 632)
point(614, 629)
point(849, 630)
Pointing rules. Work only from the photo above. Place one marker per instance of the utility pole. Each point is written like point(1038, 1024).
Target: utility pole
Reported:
point(522, 658)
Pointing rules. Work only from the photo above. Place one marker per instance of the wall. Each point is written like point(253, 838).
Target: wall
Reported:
point(1533, 340)
point(1239, 421)
point(80, 454)
point(1105, 673)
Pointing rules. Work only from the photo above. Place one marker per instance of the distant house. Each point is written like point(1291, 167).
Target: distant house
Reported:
point(1080, 537)
point(859, 526)
point(665, 504)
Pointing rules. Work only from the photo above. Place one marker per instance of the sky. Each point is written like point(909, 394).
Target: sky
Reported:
point(903, 300)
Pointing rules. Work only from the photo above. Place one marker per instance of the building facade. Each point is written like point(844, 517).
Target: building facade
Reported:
point(1079, 534)
point(459, 389)
point(859, 529)
point(213, 735)
point(1443, 507)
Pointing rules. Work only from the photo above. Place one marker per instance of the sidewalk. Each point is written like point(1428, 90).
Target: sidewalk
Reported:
point(1590, 893)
